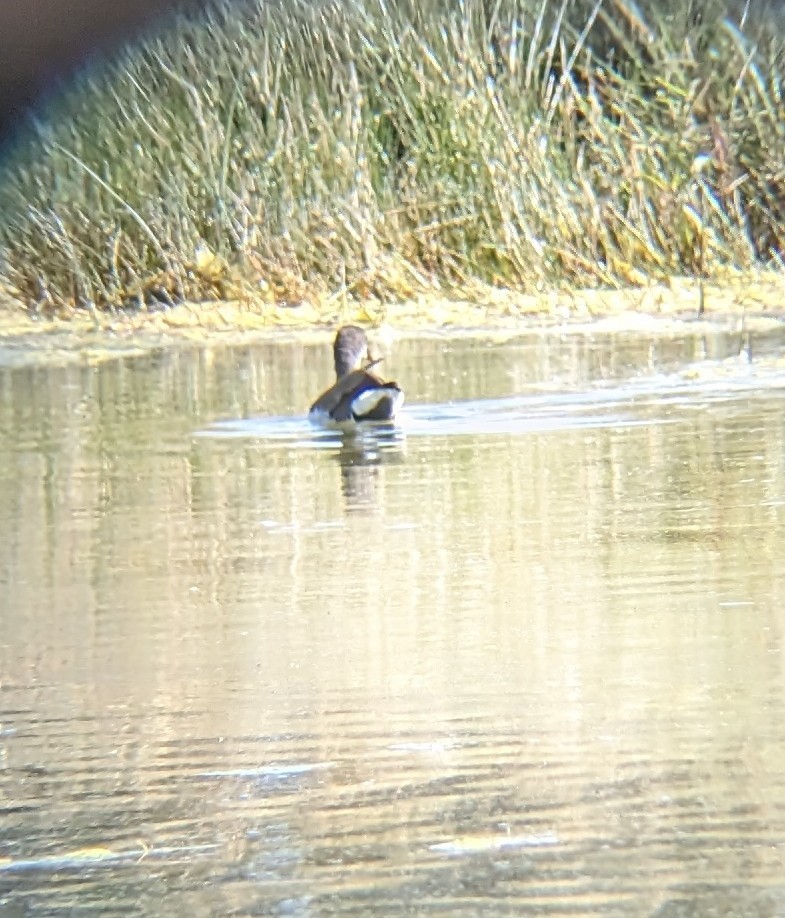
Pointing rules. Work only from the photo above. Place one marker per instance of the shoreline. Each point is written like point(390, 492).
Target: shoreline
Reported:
point(666, 308)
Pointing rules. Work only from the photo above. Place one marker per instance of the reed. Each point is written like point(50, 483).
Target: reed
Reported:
point(281, 151)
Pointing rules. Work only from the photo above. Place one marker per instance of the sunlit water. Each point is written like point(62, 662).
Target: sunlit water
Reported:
point(521, 653)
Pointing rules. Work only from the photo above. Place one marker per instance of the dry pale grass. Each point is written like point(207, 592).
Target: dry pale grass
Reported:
point(315, 159)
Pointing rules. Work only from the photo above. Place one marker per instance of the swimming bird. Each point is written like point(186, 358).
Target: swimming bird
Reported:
point(358, 394)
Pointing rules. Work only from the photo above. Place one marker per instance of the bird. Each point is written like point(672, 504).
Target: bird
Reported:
point(357, 394)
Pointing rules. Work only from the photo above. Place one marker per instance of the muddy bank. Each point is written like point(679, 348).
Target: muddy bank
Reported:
point(659, 309)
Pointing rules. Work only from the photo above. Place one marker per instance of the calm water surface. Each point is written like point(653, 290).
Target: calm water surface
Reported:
point(520, 654)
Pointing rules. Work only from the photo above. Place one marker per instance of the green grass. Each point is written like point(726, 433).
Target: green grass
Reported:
point(287, 150)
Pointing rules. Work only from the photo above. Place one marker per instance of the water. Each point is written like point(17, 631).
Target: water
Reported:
point(520, 654)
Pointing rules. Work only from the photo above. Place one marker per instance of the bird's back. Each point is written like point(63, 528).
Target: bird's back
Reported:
point(360, 396)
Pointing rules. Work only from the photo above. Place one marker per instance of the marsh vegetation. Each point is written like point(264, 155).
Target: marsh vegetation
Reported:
point(277, 152)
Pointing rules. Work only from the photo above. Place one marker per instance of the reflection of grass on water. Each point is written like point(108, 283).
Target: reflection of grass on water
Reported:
point(275, 152)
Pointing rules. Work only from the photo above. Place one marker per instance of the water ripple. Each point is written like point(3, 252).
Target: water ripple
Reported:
point(657, 398)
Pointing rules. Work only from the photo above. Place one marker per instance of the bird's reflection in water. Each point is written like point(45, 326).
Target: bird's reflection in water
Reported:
point(363, 449)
